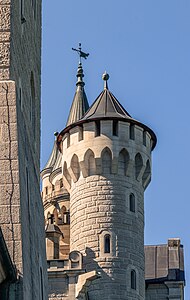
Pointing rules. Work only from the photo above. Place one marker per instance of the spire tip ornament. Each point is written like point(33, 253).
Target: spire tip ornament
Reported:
point(81, 53)
point(105, 77)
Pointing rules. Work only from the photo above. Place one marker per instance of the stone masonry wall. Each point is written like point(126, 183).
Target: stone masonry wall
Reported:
point(9, 174)
point(20, 50)
point(101, 173)
point(101, 205)
point(167, 290)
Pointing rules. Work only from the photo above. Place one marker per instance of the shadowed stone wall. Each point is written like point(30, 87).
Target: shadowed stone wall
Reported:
point(22, 220)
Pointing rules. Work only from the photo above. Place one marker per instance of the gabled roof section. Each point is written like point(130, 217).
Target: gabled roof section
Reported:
point(80, 103)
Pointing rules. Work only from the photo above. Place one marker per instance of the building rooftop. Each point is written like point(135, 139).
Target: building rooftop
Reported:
point(164, 262)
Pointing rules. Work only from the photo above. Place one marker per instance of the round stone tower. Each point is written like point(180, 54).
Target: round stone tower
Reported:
point(106, 164)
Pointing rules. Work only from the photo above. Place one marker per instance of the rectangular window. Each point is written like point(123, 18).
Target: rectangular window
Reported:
point(68, 140)
point(80, 133)
point(97, 128)
point(115, 128)
point(144, 138)
point(132, 132)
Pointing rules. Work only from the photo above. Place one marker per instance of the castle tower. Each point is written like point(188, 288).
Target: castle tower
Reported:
point(21, 217)
point(106, 165)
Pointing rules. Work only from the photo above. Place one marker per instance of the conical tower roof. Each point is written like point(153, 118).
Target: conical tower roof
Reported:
point(80, 103)
point(52, 161)
point(106, 106)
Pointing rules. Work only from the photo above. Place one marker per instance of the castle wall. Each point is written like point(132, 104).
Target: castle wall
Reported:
point(22, 220)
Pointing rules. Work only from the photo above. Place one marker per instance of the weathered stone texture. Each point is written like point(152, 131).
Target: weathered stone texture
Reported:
point(9, 179)
point(22, 221)
point(99, 205)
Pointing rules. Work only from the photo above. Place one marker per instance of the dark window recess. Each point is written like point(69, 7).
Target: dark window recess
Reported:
point(132, 132)
point(68, 140)
point(144, 138)
point(81, 135)
point(132, 202)
point(133, 280)
point(61, 183)
point(107, 243)
point(115, 128)
point(97, 128)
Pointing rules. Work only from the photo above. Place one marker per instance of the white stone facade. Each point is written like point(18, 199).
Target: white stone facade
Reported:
point(100, 174)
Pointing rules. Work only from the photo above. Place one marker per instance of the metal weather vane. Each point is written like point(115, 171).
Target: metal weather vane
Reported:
point(81, 53)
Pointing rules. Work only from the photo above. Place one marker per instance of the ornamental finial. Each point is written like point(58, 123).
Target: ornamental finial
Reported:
point(105, 77)
point(81, 53)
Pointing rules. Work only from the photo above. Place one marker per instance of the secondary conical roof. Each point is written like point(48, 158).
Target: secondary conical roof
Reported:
point(106, 105)
point(53, 156)
point(80, 103)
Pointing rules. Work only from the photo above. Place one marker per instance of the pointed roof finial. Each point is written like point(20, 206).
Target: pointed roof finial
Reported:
point(105, 77)
point(80, 103)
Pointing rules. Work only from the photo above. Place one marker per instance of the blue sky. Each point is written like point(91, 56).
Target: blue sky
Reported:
point(145, 48)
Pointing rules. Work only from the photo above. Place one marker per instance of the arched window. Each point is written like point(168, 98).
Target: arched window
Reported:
point(132, 202)
point(55, 216)
point(107, 243)
point(123, 162)
point(64, 216)
point(138, 164)
point(133, 280)
point(75, 166)
point(61, 183)
point(90, 162)
point(106, 161)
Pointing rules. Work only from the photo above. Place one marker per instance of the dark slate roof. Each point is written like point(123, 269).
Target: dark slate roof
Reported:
point(106, 106)
point(164, 262)
point(54, 160)
point(53, 156)
point(52, 228)
point(58, 161)
point(80, 103)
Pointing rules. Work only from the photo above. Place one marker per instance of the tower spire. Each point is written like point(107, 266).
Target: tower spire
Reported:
point(80, 103)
